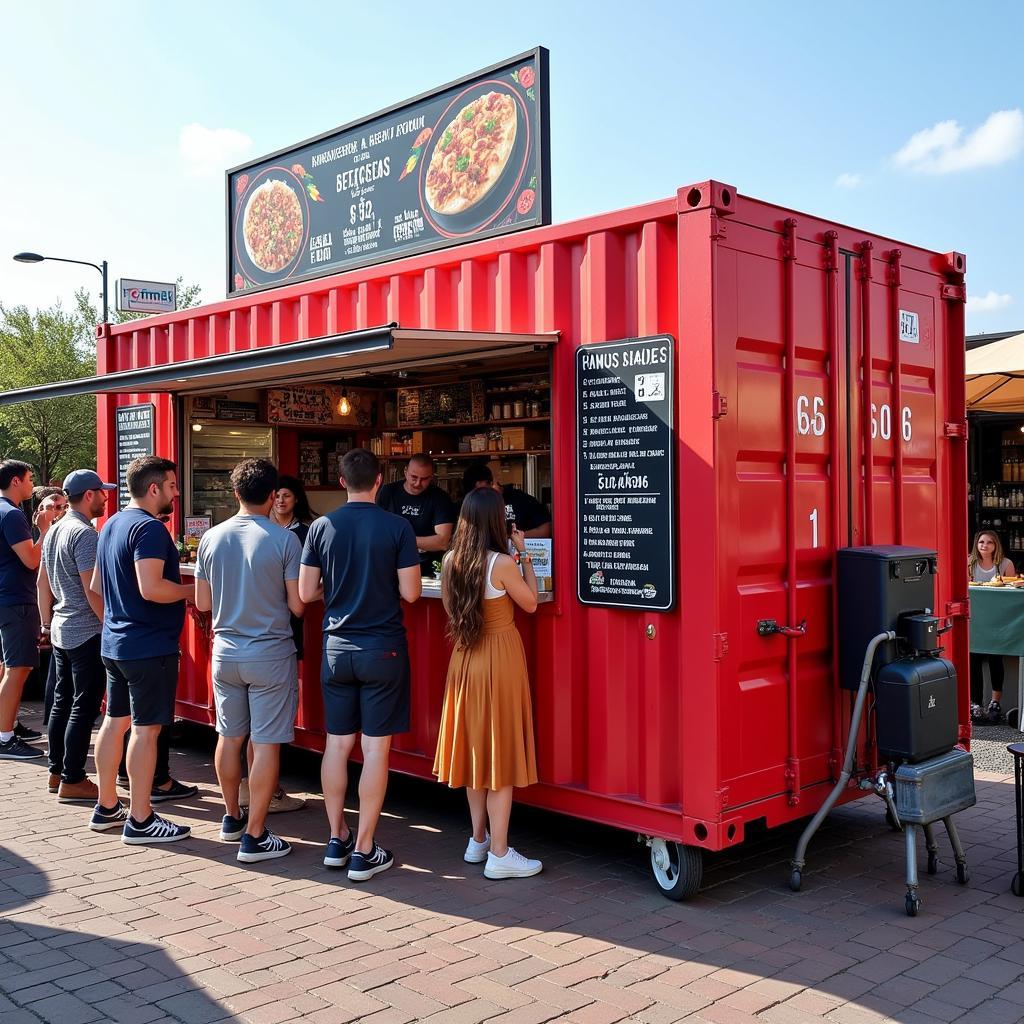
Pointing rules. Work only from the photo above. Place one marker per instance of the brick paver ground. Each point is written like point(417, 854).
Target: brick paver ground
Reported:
point(92, 930)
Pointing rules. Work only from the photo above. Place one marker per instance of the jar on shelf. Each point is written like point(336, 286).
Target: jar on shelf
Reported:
point(506, 411)
point(518, 408)
point(496, 411)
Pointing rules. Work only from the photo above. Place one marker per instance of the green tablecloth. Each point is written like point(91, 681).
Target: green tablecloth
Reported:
point(997, 621)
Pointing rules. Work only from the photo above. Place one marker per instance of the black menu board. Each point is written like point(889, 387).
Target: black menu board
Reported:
point(467, 161)
point(133, 429)
point(625, 494)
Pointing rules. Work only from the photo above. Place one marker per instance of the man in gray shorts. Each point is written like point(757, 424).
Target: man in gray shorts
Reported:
point(247, 574)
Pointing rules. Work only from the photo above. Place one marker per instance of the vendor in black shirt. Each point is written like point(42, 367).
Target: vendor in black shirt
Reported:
point(529, 515)
point(429, 510)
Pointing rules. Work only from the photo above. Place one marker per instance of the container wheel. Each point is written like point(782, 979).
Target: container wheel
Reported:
point(796, 880)
point(1017, 885)
point(677, 868)
point(963, 876)
point(913, 904)
point(933, 864)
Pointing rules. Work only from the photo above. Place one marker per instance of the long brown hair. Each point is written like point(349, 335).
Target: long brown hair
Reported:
point(997, 555)
point(480, 530)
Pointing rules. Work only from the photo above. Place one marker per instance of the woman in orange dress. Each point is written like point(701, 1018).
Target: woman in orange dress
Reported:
point(486, 737)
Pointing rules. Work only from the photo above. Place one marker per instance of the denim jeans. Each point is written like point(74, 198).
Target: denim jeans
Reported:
point(80, 684)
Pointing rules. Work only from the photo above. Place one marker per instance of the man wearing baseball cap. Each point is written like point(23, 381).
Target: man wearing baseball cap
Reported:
point(72, 614)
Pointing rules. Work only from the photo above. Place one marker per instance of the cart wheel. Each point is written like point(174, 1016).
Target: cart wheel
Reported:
point(796, 879)
point(677, 868)
point(1017, 885)
point(913, 905)
point(963, 876)
point(933, 864)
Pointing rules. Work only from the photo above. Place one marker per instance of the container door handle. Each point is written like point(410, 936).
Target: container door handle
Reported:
point(769, 627)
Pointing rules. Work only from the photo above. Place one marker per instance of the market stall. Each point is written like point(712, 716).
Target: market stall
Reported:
point(997, 627)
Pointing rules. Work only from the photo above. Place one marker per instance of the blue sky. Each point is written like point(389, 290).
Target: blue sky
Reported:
point(905, 119)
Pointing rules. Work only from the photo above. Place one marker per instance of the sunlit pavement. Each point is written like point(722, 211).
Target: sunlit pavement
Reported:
point(92, 930)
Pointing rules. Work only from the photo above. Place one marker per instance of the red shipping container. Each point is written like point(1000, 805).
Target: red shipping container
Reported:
point(803, 424)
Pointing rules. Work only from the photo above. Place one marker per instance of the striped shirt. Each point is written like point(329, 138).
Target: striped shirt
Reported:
point(68, 550)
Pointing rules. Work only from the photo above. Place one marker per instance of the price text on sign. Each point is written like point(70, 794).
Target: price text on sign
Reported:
point(625, 495)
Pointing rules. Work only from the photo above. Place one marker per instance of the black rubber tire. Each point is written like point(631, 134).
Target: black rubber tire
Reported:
point(963, 874)
point(687, 869)
point(933, 863)
point(1017, 885)
point(796, 880)
point(913, 904)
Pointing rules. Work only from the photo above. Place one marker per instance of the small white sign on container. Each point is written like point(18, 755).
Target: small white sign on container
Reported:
point(146, 296)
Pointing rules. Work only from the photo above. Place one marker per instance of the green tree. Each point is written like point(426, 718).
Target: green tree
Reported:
point(48, 345)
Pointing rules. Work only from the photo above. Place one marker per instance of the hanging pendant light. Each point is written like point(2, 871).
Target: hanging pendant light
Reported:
point(344, 405)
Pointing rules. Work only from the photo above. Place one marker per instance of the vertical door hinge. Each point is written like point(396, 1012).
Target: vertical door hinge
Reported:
point(960, 608)
point(831, 250)
point(954, 292)
point(719, 405)
point(957, 430)
point(895, 273)
point(721, 645)
point(723, 797)
point(793, 781)
point(865, 268)
point(789, 238)
point(718, 226)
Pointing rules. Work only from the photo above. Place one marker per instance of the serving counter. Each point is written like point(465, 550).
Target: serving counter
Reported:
point(997, 627)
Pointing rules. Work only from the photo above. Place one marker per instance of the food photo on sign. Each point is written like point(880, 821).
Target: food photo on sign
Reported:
point(469, 160)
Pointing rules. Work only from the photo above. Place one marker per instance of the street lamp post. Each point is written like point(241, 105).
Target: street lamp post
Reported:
point(34, 257)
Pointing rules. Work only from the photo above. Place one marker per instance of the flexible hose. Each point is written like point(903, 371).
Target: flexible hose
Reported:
point(851, 750)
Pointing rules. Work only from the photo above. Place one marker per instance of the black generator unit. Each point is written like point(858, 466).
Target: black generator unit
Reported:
point(876, 586)
point(915, 708)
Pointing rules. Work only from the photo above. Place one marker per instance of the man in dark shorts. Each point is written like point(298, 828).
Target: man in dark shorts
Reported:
point(362, 562)
point(144, 611)
point(19, 615)
point(428, 509)
point(521, 508)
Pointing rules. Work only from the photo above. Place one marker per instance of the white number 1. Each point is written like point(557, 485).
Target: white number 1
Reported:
point(814, 527)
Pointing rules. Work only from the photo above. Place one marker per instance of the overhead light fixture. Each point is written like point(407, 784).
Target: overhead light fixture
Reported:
point(344, 405)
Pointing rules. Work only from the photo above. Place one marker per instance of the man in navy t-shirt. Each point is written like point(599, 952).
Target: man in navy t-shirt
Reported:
point(19, 614)
point(144, 611)
point(361, 561)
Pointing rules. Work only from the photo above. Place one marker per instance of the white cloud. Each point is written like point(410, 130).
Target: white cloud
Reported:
point(848, 180)
point(944, 148)
point(988, 303)
point(209, 152)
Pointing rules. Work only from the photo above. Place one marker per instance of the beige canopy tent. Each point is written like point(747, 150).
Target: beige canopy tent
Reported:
point(995, 376)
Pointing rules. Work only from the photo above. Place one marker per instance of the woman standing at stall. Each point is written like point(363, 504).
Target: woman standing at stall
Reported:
point(486, 736)
point(986, 561)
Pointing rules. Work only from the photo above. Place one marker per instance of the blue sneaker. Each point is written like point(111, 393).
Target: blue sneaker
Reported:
point(232, 829)
point(267, 847)
point(104, 818)
point(364, 866)
point(339, 850)
point(156, 830)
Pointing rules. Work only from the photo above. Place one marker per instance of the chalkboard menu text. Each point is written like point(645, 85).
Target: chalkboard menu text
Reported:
point(133, 429)
point(624, 474)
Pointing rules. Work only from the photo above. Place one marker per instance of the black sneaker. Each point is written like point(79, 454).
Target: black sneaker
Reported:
point(157, 830)
point(994, 713)
point(977, 714)
point(267, 847)
point(339, 850)
point(16, 749)
point(232, 829)
point(124, 782)
point(104, 818)
point(364, 866)
point(25, 733)
point(177, 791)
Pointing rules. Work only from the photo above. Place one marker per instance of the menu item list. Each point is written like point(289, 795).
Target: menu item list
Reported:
point(133, 427)
point(624, 473)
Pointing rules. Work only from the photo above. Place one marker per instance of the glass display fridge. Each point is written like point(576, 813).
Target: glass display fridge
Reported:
point(216, 449)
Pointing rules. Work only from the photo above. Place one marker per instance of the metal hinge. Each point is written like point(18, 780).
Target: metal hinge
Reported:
point(865, 267)
point(789, 238)
point(717, 227)
point(793, 781)
point(958, 609)
point(895, 277)
point(954, 292)
point(723, 797)
point(721, 645)
point(719, 405)
point(831, 250)
point(955, 430)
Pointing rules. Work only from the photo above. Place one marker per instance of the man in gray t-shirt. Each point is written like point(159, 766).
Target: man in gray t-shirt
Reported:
point(247, 573)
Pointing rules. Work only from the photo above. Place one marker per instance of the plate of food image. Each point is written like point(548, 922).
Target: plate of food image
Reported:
point(480, 147)
point(271, 225)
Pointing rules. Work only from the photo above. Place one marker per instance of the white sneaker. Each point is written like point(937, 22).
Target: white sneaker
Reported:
point(512, 865)
point(476, 853)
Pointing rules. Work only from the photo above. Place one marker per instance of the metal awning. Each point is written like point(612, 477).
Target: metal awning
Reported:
point(334, 357)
